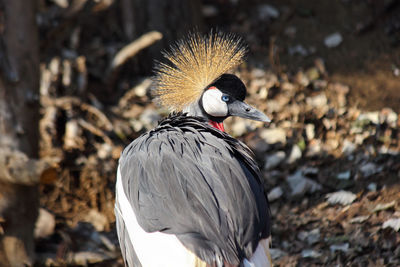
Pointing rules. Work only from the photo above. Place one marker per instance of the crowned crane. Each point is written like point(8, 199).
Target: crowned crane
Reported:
point(187, 193)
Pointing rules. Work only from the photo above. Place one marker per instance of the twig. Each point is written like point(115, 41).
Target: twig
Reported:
point(94, 130)
point(145, 84)
point(133, 48)
point(67, 101)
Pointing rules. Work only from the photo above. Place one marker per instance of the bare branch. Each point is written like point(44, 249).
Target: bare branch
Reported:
point(133, 48)
point(94, 130)
point(67, 101)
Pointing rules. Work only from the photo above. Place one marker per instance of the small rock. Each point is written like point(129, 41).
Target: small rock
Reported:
point(311, 237)
point(287, 86)
point(276, 253)
point(310, 253)
point(328, 124)
point(372, 187)
point(274, 160)
point(273, 176)
point(341, 197)
point(263, 93)
point(332, 144)
point(302, 235)
point(273, 135)
point(45, 224)
point(258, 84)
point(258, 73)
point(312, 74)
point(298, 50)
point(333, 40)
point(341, 247)
point(393, 223)
point(302, 79)
point(310, 131)
point(239, 128)
point(344, 175)
point(369, 169)
point(275, 193)
point(97, 219)
point(258, 146)
point(310, 171)
point(295, 154)
point(317, 101)
point(267, 12)
point(301, 185)
point(319, 85)
point(389, 116)
point(314, 148)
point(389, 151)
point(137, 125)
point(369, 117)
point(104, 151)
point(348, 147)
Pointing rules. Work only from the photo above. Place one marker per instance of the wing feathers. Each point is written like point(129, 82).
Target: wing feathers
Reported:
point(199, 184)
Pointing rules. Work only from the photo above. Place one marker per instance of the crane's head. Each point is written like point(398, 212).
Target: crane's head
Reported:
point(196, 81)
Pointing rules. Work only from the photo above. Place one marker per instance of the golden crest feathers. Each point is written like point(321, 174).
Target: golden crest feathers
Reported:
point(194, 63)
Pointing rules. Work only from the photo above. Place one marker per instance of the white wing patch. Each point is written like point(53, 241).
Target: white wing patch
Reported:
point(213, 104)
point(153, 249)
point(261, 257)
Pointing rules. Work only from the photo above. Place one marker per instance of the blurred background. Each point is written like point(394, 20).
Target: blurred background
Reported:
point(75, 79)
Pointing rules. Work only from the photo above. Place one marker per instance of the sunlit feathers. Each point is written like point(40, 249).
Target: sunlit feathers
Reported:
point(193, 64)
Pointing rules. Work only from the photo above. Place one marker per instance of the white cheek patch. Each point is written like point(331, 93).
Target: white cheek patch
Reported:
point(213, 104)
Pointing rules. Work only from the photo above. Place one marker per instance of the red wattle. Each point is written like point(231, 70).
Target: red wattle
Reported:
point(217, 125)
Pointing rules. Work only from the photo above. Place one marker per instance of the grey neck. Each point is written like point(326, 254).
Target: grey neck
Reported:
point(195, 110)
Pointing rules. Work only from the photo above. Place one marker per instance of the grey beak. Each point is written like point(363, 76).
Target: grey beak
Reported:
point(241, 109)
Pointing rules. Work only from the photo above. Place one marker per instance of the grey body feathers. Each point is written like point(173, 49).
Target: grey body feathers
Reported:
point(198, 183)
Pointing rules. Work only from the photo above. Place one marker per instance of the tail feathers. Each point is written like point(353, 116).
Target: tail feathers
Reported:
point(261, 257)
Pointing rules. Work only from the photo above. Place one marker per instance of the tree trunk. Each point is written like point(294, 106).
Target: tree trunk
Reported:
point(173, 18)
point(19, 116)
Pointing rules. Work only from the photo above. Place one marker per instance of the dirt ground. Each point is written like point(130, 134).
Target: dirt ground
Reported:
point(366, 58)
point(335, 129)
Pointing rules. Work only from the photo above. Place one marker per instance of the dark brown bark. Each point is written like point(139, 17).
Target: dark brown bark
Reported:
point(19, 116)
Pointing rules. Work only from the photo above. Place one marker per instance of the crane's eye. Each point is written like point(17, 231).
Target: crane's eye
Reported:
point(225, 98)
